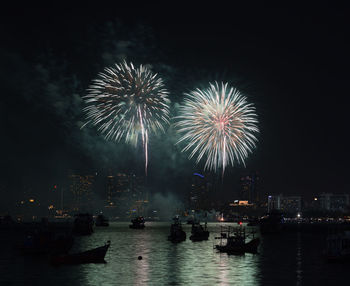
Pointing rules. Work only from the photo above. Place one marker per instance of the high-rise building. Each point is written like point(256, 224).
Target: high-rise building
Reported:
point(273, 203)
point(249, 188)
point(139, 196)
point(111, 190)
point(287, 204)
point(333, 202)
point(199, 193)
point(117, 193)
point(126, 194)
point(81, 187)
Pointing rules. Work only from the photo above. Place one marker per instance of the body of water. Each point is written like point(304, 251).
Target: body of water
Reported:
point(292, 258)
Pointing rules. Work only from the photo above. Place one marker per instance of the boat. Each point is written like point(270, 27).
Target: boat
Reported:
point(233, 241)
point(253, 222)
point(6, 222)
point(271, 223)
point(198, 233)
point(95, 255)
point(176, 232)
point(101, 220)
point(38, 242)
point(338, 247)
point(190, 220)
point(83, 224)
point(137, 223)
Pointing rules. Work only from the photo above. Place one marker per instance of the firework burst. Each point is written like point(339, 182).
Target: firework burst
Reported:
point(127, 102)
point(219, 123)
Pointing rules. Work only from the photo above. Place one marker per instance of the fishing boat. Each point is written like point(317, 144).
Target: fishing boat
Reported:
point(271, 223)
point(101, 220)
point(40, 242)
point(95, 255)
point(176, 232)
point(83, 224)
point(137, 223)
point(338, 247)
point(233, 241)
point(198, 232)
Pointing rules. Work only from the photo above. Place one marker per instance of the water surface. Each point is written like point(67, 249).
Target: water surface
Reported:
point(286, 259)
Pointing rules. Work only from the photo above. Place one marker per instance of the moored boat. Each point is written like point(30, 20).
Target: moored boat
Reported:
point(233, 241)
point(95, 255)
point(40, 242)
point(101, 220)
point(83, 224)
point(198, 232)
point(176, 232)
point(138, 223)
point(271, 223)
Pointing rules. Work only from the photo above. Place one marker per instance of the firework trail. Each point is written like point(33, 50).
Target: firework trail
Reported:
point(127, 102)
point(219, 123)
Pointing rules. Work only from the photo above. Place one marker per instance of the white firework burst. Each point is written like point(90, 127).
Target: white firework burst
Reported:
point(127, 102)
point(218, 123)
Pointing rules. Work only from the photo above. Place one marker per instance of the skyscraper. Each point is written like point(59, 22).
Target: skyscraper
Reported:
point(81, 187)
point(199, 193)
point(249, 188)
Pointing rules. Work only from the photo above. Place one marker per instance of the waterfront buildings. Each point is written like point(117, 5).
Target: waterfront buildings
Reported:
point(288, 204)
point(332, 202)
point(81, 189)
point(249, 188)
point(199, 193)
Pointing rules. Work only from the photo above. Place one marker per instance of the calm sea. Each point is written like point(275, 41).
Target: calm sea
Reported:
point(285, 259)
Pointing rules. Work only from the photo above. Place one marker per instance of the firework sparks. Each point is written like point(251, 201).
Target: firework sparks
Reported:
point(127, 102)
point(219, 123)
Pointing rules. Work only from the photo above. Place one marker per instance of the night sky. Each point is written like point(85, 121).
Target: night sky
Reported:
point(290, 61)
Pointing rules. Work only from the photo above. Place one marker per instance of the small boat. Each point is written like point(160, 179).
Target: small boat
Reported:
point(95, 255)
point(236, 241)
point(101, 220)
point(83, 224)
point(46, 242)
point(338, 247)
point(198, 233)
point(6, 222)
point(190, 220)
point(176, 232)
point(271, 223)
point(137, 223)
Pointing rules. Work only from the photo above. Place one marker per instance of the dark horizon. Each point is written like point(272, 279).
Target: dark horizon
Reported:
point(289, 60)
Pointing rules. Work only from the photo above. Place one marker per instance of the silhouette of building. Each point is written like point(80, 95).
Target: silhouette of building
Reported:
point(199, 193)
point(126, 195)
point(81, 188)
point(287, 204)
point(333, 202)
point(249, 188)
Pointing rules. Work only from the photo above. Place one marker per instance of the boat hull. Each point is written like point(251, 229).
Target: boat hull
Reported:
point(96, 255)
point(177, 238)
point(200, 236)
point(250, 247)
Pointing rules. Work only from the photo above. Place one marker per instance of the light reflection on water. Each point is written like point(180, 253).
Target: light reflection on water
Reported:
point(165, 263)
point(285, 259)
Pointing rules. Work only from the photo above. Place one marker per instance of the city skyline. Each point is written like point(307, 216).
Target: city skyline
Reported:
point(292, 72)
